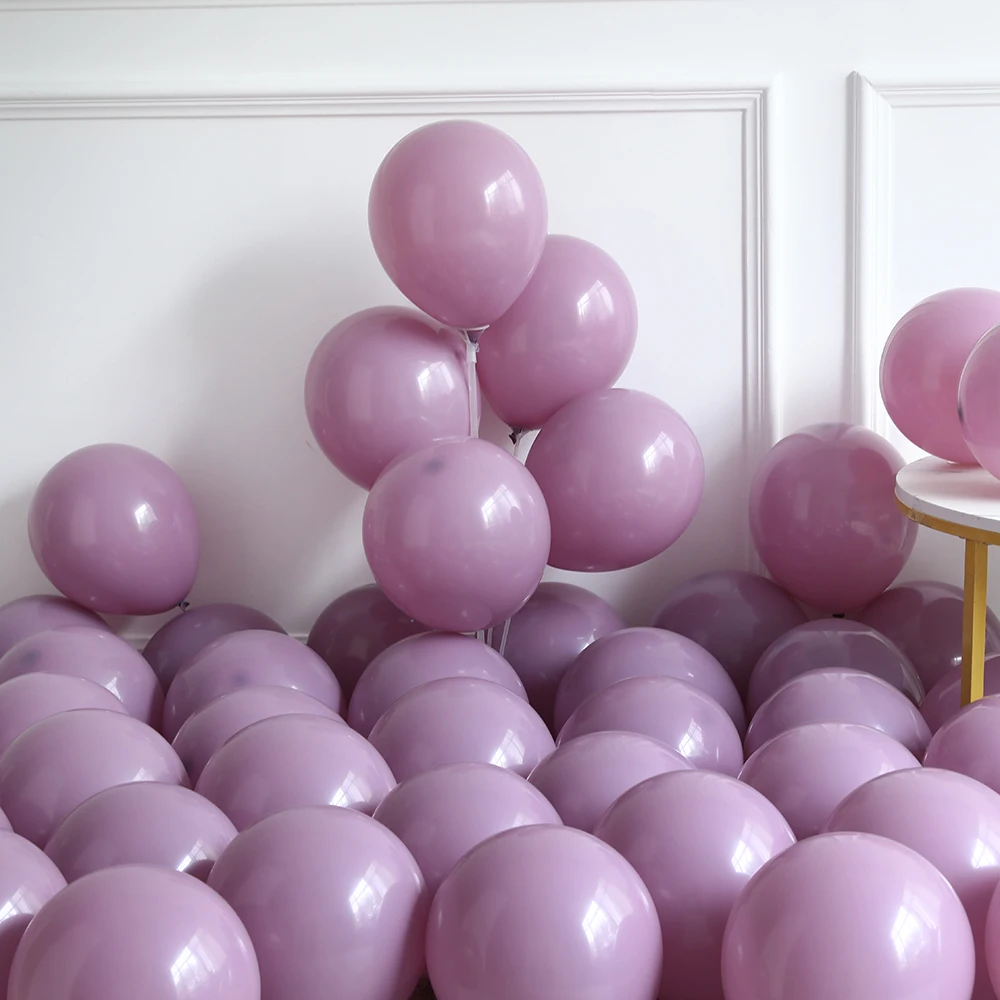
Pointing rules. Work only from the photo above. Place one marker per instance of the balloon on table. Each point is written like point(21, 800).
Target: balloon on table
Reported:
point(978, 409)
point(823, 516)
point(944, 700)
point(114, 529)
point(457, 535)
point(968, 743)
point(26, 616)
point(855, 917)
point(622, 475)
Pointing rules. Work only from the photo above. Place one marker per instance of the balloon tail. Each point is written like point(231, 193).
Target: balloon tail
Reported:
point(517, 436)
point(471, 350)
point(183, 605)
point(503, 637)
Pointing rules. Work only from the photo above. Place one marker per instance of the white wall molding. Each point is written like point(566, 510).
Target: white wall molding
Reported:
point(32, 6)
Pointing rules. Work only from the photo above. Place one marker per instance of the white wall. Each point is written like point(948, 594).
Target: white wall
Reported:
point(183, 189)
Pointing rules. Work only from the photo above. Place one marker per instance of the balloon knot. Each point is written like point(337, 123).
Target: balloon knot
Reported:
point(183, 605)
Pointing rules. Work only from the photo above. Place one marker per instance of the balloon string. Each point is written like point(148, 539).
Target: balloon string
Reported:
point(516, 437)
point(503, 637)
point(471, 350)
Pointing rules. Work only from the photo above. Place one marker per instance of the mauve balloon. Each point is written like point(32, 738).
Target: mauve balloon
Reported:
point(136, 931)
point(645, 652)
point(539, 913)
point(978, 412)
point(417, 660)
point(839, 696)
point(460, 719)
point(824, 519)
point(142, 823)
point(695, 838)
point(289, 761)
point(81, 651)
point(944, 700)
point(969, 743)
point(79, 753)
point(834, 908)
point(247, 659)
point(115, 530)
point(584, 776)
point(571, 331)
point(992, 938)
point(334, 903)
point(40, 613)
point(222, 718)
point(457, 535)
point(442, 814)
point(622, 475)
point(952, 821)
point(808, 771)
point(677, 714)
point(733, 614)
point(831, 644)
point(174, 644)
point(559, 621)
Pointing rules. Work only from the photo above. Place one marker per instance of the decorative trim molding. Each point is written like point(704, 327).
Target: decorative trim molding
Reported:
point(32, 6)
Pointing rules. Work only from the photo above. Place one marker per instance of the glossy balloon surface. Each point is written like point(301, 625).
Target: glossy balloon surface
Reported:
point(28, 615)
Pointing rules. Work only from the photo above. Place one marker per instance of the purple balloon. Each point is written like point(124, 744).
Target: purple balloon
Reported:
point(572, 331)
point(539, 913)
point(174, 644)
point(839, 696)
point(222, 718)
point(142, 823)
point(734, 615)
point(334, 903)
point(949, 819)
point(585, 776)
point(458, 216)
point(977, 401)
point(622, 474)
point(695, 839)
point(834, 908)
point(289, 761)
point(417, 660)
point(457, 535)
point(460, 719)
point(677, 714)
point(79, 753)
point(824, 519)
point(247, 659)
point(82, 651)
point(442, 814)
point(115, 530)
point(29, 615)
point(969, 743)
point(944, 700)
point(831, 644)
point(645, 652)
point(135, 931)
point(808, 771)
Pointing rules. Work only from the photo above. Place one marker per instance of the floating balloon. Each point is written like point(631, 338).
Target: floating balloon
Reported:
point(622, 474)
point(115, 530)
point(29, 615)
point(978, 409)
point(944, 700)
point(969, 743)
point(824, 519)
point(457, 535)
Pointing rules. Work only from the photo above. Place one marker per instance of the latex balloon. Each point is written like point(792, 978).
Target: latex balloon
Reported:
point(694, 868)
point(922, 364)
point(82, 651)
point(210, 727)
point(460, 719)
point(645, 652)
point(978, 412)
point(458, 217)
point(333, 901)
point(27, 615)
point(831, 644)
point(145, 823)
point(79, 753)
point(949, 819)
point(969, 743)
point(677, 714)
point(839, 696)
point(174, 644)
point(353, 629)
point(115, 530)
point(559, 621)
point(924, 619)
point(247, 659)
point(571, 331)
point(823, 516)
point(135, 931)
point(992, 938)
point(808, 771)
point(457, 535)
point(539, 913)
point(442, 814)
point(734, 615)
point(622, 474)
point(586, 775)
point(944, 700)
point(832, 906)
point(294, 760)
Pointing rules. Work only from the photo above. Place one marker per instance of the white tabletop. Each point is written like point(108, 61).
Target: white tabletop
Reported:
point(963, 495)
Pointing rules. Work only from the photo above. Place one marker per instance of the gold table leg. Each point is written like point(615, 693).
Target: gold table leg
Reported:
point(974, 622)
